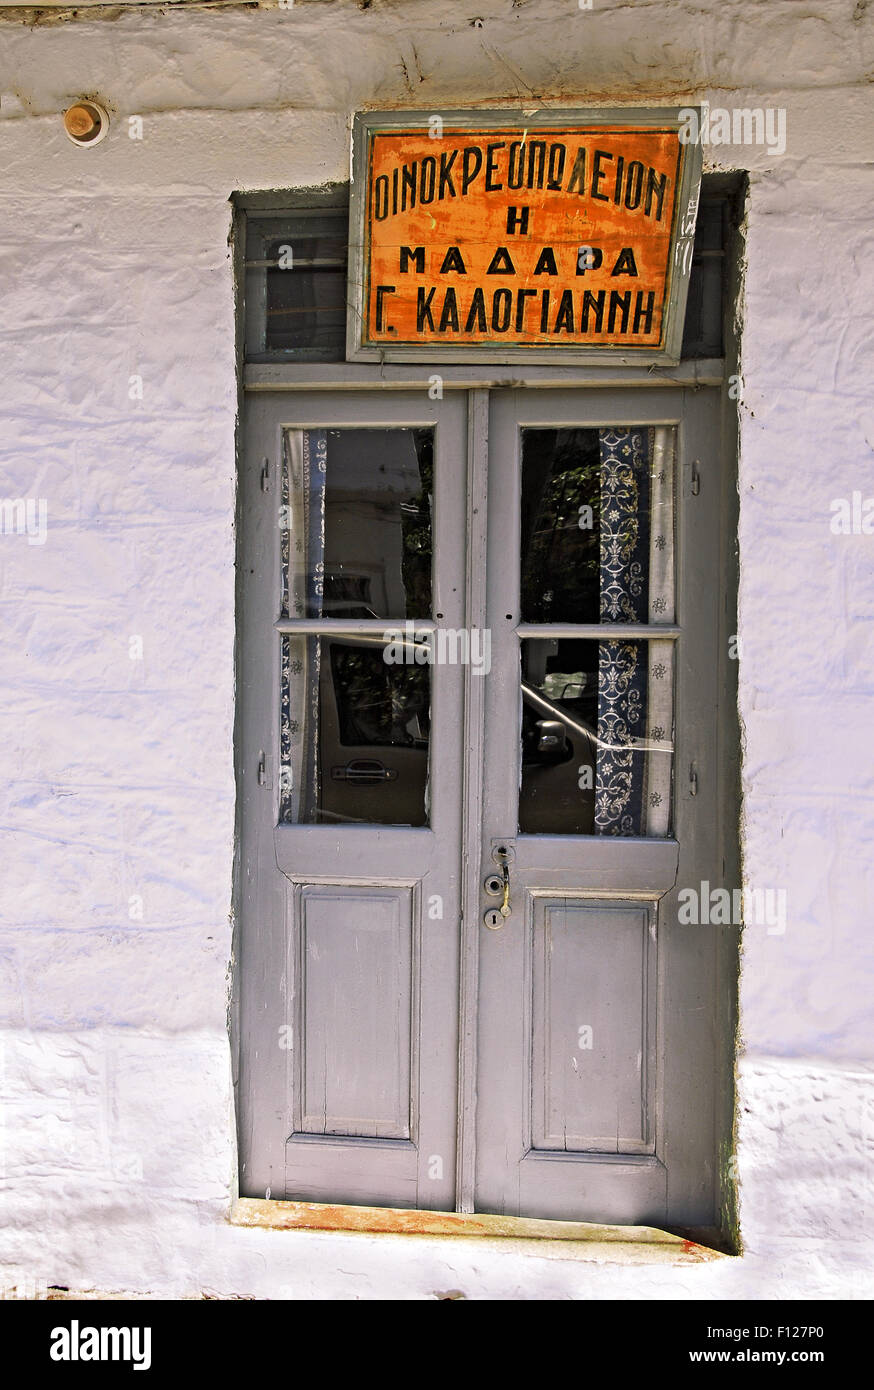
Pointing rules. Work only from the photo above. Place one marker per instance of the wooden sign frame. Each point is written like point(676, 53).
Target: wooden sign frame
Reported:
point(363, 340)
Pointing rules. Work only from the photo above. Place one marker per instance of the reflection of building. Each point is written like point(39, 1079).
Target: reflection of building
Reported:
point(363, 535)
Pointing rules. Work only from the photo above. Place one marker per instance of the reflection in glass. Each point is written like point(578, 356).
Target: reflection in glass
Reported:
point(561, 508)
point(559, 740)
point(596, 737)
point(597, 547)
point(296, 285)
point(596, 512)
point(305, 290)
point(355, 523)
point(354, 733)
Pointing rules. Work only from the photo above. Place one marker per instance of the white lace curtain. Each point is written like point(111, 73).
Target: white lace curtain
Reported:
point(635, 679)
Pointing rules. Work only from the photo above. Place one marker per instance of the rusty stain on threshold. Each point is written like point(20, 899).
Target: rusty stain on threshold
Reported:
point(637, 1244)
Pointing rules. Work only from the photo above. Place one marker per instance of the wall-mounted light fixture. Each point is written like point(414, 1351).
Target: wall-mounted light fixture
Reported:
point(86, 123)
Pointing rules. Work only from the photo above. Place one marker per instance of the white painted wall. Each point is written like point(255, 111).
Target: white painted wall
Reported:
point(116, 1130)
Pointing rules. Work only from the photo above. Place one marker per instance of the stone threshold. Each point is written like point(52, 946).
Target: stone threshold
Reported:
point(559, 1239)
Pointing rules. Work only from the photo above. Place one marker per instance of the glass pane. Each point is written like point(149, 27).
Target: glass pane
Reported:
point(597, 737)
point(356, 523)
point(702, 329)
point(306, 310)
point(296, 286)
point(597, 525)
point(354, 733)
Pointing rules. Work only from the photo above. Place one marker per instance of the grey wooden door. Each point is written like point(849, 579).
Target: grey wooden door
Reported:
point(404, 1041)
point(596, 1071)
point(352, 516)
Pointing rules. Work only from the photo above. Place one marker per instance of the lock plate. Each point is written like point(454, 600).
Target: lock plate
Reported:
point(498, 885)
point(503, 852)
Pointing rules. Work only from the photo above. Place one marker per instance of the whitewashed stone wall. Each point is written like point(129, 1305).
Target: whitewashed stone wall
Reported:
point(116, 1134)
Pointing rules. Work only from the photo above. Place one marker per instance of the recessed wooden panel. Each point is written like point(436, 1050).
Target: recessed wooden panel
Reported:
point(328, 1168)
point(593, 1023)
point(355, 1011)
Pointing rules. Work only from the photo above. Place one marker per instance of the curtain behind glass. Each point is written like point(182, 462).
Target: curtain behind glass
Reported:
point(302, 523)
point(632, 785)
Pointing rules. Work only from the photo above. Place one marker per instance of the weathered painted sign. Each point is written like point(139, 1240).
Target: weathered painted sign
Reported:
point(481, 235)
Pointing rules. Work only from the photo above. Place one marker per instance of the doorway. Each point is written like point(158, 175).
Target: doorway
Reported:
point(478, 754)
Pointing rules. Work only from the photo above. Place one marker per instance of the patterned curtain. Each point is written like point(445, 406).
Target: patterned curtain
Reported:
point(632, 786)
point(302, 531)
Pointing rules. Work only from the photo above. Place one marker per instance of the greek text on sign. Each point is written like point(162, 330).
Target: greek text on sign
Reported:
point(523, 238)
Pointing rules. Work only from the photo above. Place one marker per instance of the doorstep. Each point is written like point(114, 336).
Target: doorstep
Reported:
point(582, 1240)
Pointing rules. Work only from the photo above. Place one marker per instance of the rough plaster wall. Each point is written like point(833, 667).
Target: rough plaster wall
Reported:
point(116, 1133)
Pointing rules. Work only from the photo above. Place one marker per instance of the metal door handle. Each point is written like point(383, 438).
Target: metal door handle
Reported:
point(496, 884)
point(505, 909)
point(364, 770)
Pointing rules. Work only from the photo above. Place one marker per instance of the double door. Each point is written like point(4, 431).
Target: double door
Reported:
point(477, 757)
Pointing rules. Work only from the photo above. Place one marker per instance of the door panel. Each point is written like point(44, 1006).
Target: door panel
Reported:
point(593, 1026)
point(356, 981)
point(587, 1056)
point(349, 765)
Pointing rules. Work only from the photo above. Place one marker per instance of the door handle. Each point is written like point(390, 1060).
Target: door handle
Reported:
point(495, 884)
point(364, 770)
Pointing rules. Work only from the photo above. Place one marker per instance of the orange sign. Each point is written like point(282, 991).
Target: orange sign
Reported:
point(511, 237)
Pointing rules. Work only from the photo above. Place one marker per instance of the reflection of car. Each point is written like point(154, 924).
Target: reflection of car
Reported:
point(557, 796)
point(374, 725)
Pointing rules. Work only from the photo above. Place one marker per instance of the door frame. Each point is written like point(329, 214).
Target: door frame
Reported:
point(721, 473)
